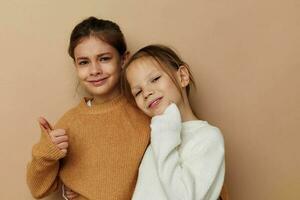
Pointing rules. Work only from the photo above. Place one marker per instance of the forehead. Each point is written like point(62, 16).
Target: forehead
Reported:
point(142, 69)
point(143, 66)
point(92, 45)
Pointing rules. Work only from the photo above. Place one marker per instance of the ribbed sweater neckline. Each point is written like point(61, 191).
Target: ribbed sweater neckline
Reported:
point(103, 107)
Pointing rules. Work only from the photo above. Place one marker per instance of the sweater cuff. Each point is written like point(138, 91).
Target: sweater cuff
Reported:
point(170, 120)
point(46, 149)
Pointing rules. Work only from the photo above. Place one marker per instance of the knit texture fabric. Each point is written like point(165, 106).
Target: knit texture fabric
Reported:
point(106, 144)
point(185, 161)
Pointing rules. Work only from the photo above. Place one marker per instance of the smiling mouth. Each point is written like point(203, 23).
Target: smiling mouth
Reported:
point(154, 103)
point(98, 82)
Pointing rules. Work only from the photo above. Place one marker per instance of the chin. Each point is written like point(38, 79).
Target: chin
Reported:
point(97, 92)
point(152, 114)
point(146, 112)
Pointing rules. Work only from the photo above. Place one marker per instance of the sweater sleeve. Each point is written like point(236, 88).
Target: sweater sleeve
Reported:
point(42, 170)
point(197, 175)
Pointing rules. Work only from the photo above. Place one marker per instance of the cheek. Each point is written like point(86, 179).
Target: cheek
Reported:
point(168, 87)
point(114, 70)
point(115, 65)
point(140, 104)
point(81, 74)
point(173, 92)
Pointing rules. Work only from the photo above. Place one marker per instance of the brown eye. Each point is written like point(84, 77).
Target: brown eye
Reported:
point(83, 62)
point(104, 59)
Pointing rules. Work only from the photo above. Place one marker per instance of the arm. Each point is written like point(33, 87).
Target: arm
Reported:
point(196, 173)
point(42, 171)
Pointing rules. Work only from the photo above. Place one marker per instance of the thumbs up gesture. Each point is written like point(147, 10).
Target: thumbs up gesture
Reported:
point(58, 136)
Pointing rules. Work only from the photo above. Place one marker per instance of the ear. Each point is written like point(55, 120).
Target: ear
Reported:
point(183, 76)
point(124, 58)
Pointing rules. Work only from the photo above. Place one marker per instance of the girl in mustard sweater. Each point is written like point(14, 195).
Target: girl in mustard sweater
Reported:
point(96, 147)
point(185, 158)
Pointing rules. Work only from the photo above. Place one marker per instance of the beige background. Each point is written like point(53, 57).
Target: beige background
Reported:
point(244, 55)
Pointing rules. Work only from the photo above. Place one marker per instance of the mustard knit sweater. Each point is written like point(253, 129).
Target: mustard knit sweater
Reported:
point(106, 144)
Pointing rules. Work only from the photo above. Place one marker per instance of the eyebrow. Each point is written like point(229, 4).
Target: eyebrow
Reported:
point(99, 55)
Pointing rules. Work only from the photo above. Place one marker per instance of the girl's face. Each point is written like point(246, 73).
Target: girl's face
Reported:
point(151, 87)
point(98, 67)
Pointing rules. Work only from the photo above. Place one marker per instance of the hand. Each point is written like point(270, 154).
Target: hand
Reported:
point(170, 104)
point(163, 108)
point(169, 120)
point(69, 194)
point(58, 136)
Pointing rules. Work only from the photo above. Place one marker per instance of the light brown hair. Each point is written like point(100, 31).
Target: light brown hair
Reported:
point(166, 58)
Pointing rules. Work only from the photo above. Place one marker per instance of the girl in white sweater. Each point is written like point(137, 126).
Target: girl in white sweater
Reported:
point(185, 159)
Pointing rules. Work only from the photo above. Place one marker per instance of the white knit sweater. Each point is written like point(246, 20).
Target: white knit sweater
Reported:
point(185, 161)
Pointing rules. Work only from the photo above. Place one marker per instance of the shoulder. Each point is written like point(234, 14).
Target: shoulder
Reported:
point(67, 117)
point(211, 139)
point(201, 132)
point(211, 132)
point(136, 117)
point(204, 139)
point(135, 113)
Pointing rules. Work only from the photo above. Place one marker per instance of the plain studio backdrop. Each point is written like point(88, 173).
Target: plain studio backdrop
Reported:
point(244, 55)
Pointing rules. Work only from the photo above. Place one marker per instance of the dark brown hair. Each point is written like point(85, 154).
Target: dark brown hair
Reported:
point(167, 59)
point(105, 30)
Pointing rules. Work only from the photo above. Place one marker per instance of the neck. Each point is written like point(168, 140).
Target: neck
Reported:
point(186, 111)
point(98, 99)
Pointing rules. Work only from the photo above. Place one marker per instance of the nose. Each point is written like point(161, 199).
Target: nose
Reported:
point(95, 69)
point(147, 93)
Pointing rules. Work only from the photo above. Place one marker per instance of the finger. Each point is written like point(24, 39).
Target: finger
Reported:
point(64, 151)
point(63, 145)
point(68, 192)
point(74, 195)
point(45, 124)
point(71, 195)
point(58, 132)
point(60, 139)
